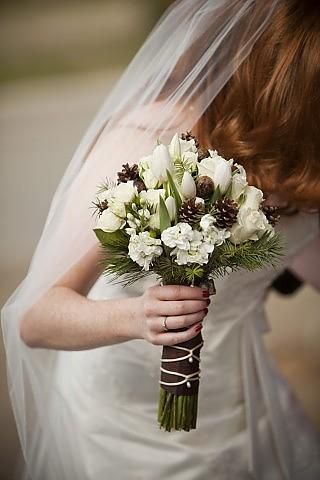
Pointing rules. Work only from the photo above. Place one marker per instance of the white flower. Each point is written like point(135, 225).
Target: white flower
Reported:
point(174, 147)
point(161, 162)
point(212, 234)
point(154, 221)
point(188, 186)
point(218, 169)
point(239, 182)
point(124, 192)
point(143, 249)
point(149, 179)
point(198, 251)
point(109, 222)
point(179, 236)
point(152, 196)
point(216, 236)
point(251, 225)
point(171, 207)
point(207, 222)
point(190, 161)
point(118, 208)
point(253, 198)
point(178, 146)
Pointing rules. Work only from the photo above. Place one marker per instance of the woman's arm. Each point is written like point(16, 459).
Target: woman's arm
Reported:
point(65, 319)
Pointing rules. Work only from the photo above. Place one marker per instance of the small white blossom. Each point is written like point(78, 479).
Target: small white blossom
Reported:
point(212, 234)
point(190, 161)
point(143, 249)
point(116, 207)
point(179, 236)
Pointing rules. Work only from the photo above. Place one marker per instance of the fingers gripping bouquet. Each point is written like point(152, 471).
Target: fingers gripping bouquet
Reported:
point(187, 215)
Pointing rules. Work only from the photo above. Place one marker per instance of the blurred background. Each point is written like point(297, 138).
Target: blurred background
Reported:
point(58, 60)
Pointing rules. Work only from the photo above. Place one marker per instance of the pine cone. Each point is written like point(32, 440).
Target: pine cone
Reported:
point(272, 214)
point(225, 213)
point(139, 184)
point(190, 211)
point(205, 186)
point(128, 173)
point(188, 136)
point(203, 153)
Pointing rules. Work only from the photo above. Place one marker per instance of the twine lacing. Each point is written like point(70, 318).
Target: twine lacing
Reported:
point(192, 377)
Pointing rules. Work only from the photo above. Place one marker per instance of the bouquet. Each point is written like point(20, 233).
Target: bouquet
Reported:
point(187, 215)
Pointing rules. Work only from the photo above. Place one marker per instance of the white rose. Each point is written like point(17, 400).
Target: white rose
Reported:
point(239, 183)
point(218, 169)
point(188, 186)
point(118, 208)
point(109, 222)
point(253, 198)
point(125, 192)
point(251, 225)
point(160, 162)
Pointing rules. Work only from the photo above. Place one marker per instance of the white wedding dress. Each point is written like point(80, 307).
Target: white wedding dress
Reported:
point(104, 413)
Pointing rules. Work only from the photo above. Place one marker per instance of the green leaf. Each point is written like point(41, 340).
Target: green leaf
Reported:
point(174, 191)
point(229, 191)
point(165, 221)
point(115, 239)
point(216, 195)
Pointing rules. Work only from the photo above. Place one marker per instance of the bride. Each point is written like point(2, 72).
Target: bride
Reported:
point(83, 355)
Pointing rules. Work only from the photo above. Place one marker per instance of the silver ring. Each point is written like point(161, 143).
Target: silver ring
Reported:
point(164, 324)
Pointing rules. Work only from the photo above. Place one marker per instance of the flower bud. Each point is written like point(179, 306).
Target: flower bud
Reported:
point(175, 147)
point(171, 207)
point(161, 162)
point(188, 186)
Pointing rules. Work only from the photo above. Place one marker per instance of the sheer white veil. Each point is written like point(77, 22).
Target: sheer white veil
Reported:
point(188, 58)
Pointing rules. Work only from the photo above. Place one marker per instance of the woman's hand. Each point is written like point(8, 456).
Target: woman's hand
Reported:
point(184, 307)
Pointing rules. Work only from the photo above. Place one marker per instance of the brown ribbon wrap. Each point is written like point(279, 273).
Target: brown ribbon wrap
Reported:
point(181, 366)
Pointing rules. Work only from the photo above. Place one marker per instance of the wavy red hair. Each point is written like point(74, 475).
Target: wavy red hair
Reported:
point(267, 117)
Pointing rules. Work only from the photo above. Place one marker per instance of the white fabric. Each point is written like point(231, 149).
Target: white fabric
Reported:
point(248, 418)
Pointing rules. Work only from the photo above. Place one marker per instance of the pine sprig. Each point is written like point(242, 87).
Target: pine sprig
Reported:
point(250, 255)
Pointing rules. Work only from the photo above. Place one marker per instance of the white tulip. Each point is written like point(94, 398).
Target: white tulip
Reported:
point(109, 222)
point(175, 147)
point(160, 162)
point(188, 186)
point(253, 198)
point(218, 169)
point(171, 207)
point(125, 192)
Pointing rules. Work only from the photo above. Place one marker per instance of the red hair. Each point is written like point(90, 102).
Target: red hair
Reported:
point(267, 117)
